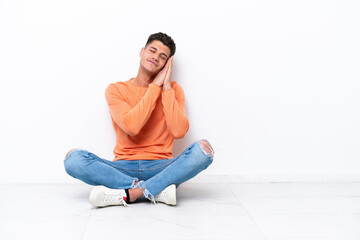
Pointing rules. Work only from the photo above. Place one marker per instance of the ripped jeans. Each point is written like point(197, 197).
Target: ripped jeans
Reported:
point(152, 176)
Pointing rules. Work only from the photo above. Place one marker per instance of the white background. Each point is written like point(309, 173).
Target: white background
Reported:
point(273, 85)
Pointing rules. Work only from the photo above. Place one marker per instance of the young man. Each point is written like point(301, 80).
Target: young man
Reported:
point(148, 114)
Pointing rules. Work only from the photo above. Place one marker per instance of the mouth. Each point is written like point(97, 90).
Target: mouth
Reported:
point(153, 63)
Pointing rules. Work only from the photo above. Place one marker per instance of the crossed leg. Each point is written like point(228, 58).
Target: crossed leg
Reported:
point(206, 147)
point(135, 193)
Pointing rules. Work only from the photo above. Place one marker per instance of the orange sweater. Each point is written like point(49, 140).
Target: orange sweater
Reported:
point(146, 119)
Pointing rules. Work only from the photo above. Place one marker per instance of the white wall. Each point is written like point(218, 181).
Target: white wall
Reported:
point(273, 85)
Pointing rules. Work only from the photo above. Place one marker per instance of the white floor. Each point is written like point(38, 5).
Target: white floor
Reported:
point(325, 211)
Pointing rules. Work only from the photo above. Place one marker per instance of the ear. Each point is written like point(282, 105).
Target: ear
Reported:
point(141, 51)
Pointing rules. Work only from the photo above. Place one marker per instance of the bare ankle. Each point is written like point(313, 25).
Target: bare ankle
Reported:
point(135, 193)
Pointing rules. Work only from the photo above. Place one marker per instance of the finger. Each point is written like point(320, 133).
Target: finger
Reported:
point(165, 68)
point(171, 64)
point(168, 75)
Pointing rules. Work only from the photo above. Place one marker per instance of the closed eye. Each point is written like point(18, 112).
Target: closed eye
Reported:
point(154, 50)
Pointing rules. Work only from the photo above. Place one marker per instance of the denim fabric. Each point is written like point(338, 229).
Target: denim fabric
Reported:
point(154, 175)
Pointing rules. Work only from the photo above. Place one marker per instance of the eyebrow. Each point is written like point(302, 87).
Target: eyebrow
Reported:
point(157, 49)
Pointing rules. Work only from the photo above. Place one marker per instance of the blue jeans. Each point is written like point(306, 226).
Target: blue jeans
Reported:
point(152, 176)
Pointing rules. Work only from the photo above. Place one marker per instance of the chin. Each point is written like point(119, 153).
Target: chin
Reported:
point(154, 70)
point(150, 71)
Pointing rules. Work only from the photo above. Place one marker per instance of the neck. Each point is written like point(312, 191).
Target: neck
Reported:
point(143, 78)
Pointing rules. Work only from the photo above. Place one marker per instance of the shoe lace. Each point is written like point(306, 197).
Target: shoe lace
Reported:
point(154, 201)
point(124, 203)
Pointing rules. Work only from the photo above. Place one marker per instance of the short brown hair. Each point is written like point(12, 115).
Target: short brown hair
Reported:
point(165, 39)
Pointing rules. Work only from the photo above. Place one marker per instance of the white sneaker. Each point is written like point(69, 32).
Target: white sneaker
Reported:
point(102, 196)
point(167, 196)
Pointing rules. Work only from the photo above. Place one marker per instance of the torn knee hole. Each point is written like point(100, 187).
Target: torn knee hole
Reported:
point(206, 144)
point(206, 147)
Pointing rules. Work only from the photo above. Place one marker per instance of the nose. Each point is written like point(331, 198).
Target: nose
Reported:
point(156, 57)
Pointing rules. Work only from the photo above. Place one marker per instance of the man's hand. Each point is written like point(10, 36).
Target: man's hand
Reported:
point(167, 82)
point(161, 76)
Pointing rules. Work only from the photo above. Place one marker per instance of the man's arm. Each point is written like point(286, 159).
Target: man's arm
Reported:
point(131, 120)
point(173, 101)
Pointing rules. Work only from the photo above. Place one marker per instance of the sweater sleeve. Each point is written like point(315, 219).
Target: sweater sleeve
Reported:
point(173, 101)
point(131, 120)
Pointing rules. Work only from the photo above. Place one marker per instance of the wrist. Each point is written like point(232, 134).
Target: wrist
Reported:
point(158, 84)
point(166, 87)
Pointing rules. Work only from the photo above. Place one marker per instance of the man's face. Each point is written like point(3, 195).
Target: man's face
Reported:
point(154, 56)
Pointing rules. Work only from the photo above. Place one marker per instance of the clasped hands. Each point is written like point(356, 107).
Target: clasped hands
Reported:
point(163, 78)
